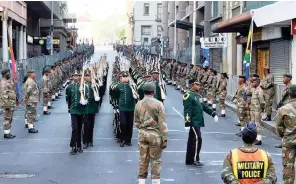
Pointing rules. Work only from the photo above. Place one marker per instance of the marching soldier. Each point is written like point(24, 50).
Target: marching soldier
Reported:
point(31, 98)
point(147, 78)
point(46, 87)
point(159, 87)
point(76, 110)
point(222, 92)
point(126, 99)
point(267, 85)
point(286, 129)
point(183, 74)
point(193, 113)
point(257, 106)
point(174, 72)
point(91, 108)
point(24, 89)
point(248, 164)
point(240, 100)
point(8, 101)
point(198, 73)
point(203, 81)
point(153, 134)
point(192, 72)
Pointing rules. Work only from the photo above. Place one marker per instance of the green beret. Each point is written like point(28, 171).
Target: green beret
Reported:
point(149, 86)
point(288, 75)
point(292, 87)
point(46, 69)
point(5, 71)
point(31, 71)
point(242, 77)
point(215, 72)
point(193, 81)
point(255, 75)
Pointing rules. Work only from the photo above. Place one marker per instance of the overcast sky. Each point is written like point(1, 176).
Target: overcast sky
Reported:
point(99, 9)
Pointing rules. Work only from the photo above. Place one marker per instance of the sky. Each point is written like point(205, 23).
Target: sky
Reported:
point(98, 9)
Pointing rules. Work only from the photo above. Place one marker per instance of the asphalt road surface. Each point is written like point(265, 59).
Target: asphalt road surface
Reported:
point(44, 158)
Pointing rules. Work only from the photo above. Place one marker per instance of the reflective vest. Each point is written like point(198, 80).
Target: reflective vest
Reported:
point(249, 168)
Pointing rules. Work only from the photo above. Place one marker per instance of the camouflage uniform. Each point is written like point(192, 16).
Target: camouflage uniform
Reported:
point(183, 78)
point(203, 80)
point(212, 90)
point(150, 120)
point(257, 105)
point(222, 93)
point(174, 72)
point(31, 98)
point(240, 101)
point(179, 69)
point(285, 127)
point(228, 176)
point(46, 93)
point(168, 69)
point(267, 84)
point(7, 103)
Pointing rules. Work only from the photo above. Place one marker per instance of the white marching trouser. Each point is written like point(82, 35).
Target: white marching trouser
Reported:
point(142, 181)
point(214, 106)
point(6, 131)
point(48, 104)
point(223, 111)
point(45, 108)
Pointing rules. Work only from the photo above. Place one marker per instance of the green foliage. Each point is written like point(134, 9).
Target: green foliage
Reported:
point(121, 33)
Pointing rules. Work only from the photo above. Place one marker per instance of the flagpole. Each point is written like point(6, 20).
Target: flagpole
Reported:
point(251, 46)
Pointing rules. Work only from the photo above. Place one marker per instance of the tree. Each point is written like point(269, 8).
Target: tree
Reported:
point(121, 34)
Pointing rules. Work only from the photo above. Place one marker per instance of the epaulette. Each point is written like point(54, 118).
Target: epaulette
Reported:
point(186, 96)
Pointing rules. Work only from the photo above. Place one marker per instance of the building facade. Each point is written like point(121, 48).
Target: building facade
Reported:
point(147, 22)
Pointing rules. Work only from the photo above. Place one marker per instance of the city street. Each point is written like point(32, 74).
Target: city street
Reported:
point(44, 158)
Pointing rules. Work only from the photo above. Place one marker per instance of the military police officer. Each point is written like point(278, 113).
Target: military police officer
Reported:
point(248, 164)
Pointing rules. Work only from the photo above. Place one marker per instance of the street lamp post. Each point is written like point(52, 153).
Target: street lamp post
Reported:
point(51, 29)
point(193, 33)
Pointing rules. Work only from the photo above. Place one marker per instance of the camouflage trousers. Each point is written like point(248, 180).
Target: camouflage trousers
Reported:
point(212, 95)
point(31, 112)
point(183, 82)
point(46, 98)
point(256, 117)
point(268, 98)
point(7, 116)
point(288, 161)
point(242, 116)
point(222, 103)
point(149, 143)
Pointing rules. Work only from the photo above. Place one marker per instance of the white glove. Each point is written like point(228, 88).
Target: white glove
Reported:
point(187, 129)
point(216, 119)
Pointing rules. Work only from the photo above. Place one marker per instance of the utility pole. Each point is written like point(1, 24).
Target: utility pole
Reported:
point(193, 33)
point(175, 33)
point(51, 29)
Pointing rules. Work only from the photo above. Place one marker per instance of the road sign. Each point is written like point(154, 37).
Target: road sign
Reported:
point(48, 42)
point(293, 27)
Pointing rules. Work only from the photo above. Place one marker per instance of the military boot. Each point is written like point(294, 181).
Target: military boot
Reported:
point(32, 130)
point(73, 151)
point(268, 118)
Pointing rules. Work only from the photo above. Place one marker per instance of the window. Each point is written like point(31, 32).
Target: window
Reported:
point(159, 30)
point(216, 9)
point(145, 41)
point(146, 9)
point(146, 30)
point(159, 11)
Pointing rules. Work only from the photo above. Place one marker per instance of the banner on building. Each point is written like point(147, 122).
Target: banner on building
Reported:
point(219, 41)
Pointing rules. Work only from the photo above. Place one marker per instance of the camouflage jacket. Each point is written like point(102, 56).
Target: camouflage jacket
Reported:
point(267, 82)
point(7, 94)
point(198, 75)
point(286, 124)
point(239, 98)
point(222, 88)
point(31, 92)
point(227, 174)
point(150, 116)
point(257, 100)
point(285, 93)
point(191, 74)
point(45, 84)
point(213, 84)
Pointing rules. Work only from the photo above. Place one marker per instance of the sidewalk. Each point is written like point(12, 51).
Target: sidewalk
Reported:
point(270, 125)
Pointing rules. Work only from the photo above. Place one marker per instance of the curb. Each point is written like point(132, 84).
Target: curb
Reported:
point(269, 125)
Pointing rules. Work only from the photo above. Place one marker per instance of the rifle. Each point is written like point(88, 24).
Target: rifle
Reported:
point(281, 103)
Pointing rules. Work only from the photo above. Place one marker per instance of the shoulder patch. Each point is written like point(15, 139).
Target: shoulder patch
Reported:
point(186, 96)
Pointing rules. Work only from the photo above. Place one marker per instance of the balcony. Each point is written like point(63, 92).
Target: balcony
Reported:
point(43, 8)
point(158, 18)
point(249, 5)
point(189, 9)
point(17, 10)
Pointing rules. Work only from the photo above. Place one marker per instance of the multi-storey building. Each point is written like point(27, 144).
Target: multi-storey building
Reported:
point(147, 17)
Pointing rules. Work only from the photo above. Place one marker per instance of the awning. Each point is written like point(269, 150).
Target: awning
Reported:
point(240, 23)
point(276, 14)
point(186, 26)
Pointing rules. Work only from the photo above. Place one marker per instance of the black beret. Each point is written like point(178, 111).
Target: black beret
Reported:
point(193, 81)
point(242, 77)
point(224, 74)
point(250, 129)
point(4, 71)
point(31, 71)
point(255, 75)
point(288, 75)
point(149, 86)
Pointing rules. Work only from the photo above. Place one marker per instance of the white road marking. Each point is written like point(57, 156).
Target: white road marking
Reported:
point(178, 113)
point(164, 179)
point(114, 151)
